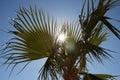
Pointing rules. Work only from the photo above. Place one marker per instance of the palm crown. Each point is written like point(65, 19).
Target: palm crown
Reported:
point(38, 37)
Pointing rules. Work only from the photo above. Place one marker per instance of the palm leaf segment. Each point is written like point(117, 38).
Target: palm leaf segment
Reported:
point(89, 76)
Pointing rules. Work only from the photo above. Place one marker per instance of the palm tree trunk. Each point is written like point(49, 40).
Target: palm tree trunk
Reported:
point(70, 71)
point(71, 74)
point(82, 64)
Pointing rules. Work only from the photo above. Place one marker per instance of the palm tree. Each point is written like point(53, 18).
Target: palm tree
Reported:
point(67, 49)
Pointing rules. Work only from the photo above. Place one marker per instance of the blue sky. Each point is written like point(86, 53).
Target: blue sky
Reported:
point(62, 10)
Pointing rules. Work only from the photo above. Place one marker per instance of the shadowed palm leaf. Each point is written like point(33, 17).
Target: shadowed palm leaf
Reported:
point(98, 77)
point(91, 48)
point(92, 15)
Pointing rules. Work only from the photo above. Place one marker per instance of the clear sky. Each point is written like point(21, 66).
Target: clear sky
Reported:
point(62, 10)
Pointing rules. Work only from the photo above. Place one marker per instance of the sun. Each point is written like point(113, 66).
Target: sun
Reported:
point(62, 37)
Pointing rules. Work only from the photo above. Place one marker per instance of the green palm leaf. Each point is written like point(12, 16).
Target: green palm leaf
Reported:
point(91, 48)
point(34, 37)
point(99, 77)
point(98, 35)
point(93, 15)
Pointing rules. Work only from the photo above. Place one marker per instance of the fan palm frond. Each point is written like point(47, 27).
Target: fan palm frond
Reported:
point(91, 48)
point(34, 37)
point(106, 76)
point(53, 66)
point(91, 52)
point(74, 31)
point(64, 57)
point(98, 35)
point(89, 76)
point(114, 30)
point(91, 16)
point(49, 70)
